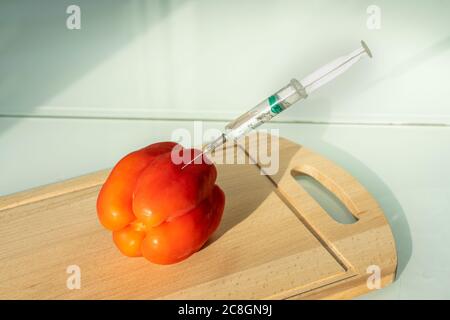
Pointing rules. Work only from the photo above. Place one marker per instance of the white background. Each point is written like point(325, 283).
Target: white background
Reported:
point(75, 101)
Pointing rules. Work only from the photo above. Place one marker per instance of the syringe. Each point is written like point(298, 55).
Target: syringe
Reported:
point(284, 98)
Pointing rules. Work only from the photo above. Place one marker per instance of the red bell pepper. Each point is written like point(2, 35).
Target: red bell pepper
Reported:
point(158, 210)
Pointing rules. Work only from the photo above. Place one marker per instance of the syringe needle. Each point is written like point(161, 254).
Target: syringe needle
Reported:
point(220, 140)
point(195, 158)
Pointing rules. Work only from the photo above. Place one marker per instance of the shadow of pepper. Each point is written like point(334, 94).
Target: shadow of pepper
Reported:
point(245, 190)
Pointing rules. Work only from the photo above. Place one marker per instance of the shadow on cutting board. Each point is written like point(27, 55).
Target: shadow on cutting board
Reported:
point(244, 196)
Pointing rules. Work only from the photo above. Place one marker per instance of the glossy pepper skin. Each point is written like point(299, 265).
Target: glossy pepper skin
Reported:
point(158, 210)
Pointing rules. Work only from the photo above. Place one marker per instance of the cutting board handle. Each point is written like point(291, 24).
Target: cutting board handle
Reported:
point(347, 189)
point(340, 239)
point(296, 160)
point(335, 180)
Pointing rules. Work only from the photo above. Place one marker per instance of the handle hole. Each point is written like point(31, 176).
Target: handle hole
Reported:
point(326, 199)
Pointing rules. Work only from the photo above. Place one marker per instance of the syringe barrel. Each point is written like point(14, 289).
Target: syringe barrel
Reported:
point(266, 110)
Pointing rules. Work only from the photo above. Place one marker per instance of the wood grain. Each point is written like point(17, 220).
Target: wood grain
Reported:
point(274, 241)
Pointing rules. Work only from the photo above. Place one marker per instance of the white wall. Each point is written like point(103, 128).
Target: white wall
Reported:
point(214, 59)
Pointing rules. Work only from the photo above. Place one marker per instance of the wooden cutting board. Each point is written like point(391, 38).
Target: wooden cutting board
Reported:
point(275, 241)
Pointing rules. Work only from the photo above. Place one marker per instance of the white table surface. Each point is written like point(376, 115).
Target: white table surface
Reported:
point(406, 168)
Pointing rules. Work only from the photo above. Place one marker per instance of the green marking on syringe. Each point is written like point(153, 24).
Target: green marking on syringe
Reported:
point(274, 106)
